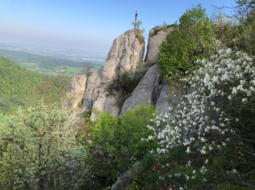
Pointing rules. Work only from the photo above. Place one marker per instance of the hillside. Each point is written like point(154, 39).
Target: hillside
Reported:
point(15, 82)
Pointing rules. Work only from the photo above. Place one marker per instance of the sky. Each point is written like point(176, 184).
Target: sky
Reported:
point(90, 25)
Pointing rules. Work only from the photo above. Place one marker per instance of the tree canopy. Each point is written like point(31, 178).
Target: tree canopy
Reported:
point(15, 83)
point(190, 40)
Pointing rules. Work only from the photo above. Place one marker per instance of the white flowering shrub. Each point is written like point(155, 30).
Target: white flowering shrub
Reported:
point(41, 152)
point(219, 115)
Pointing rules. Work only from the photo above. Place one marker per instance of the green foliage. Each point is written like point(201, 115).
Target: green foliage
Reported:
point(139, 33)
point(234, 33)
point(189, 41)
point(163, 27)
point(137, 24)
point(15, 83)
point(52, 91)
point(116, 142)
point(41, 152)
point(179, 169)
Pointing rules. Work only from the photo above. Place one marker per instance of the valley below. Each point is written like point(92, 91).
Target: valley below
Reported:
point(50, 60)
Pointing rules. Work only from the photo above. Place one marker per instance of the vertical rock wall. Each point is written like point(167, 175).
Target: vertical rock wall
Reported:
point(124, 55)
point(147, 91)
point(156, 36)
point(150, 87)
point(75, 92)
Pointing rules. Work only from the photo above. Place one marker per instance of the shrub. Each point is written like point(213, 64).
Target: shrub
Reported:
point(163, 27)
point(116, 143)
point(139, 33)
point(42, 152)
point(217, 118)
point(234, 33)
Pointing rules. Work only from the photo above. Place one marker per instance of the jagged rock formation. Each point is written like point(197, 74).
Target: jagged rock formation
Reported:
point(149, 88)
point(156, 36)
point(124, 55)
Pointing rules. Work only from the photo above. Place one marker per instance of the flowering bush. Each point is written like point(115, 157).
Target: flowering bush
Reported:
point(41, 152)
point(218, 116)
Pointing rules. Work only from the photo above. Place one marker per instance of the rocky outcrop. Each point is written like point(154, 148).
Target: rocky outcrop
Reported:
point(147, 91)
point(156, 36)
point(75, 92)
point(126, 52)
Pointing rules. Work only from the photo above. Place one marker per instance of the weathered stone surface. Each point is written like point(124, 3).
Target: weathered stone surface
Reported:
point(75, 92)
point(124, 55)
point(154, 41)
point(148, 90)
point(163, 100)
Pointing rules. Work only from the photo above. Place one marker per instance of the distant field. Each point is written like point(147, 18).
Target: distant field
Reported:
point(54, 70)
point(47, 65)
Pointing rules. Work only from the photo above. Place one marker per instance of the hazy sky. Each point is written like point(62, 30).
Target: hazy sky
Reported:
point(90, 25)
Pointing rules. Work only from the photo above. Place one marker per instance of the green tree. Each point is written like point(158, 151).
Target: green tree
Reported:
point(52, 91)
point(137, 24)
point(42, 152)
point(116, 141)
point(15, 81)
point(189, 41)
point(138, 32)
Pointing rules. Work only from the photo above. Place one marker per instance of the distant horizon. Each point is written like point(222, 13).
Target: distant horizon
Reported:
point(88, 25)
point(48, 46)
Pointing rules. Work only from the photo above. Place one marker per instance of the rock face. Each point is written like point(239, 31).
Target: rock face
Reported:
point(156, 36)
point(124, 55)
point(163, 100)
point(148, 90)
point(75, 92)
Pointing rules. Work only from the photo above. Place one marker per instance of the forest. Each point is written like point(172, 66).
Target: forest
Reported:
point(205, 141)
point(15, 83)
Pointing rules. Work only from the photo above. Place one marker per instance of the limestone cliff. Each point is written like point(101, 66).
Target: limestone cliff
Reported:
point(156, 36)
point(126, 54)
point(75, 92)
point(151, 88)
point(148, 90)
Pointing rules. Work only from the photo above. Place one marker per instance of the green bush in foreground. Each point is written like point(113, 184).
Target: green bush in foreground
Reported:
point(41, 152)
point(116, 143)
